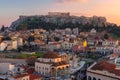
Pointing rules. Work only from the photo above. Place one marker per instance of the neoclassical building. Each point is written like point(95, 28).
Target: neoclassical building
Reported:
point(51, 64)
point(103, 71)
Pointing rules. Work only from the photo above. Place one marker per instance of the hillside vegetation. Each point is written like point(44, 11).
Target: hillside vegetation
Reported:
point(51, 23)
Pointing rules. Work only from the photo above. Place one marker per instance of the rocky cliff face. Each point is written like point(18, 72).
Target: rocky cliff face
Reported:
point(58, 21)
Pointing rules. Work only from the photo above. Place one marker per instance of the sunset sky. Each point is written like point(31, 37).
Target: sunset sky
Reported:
point(11, 9)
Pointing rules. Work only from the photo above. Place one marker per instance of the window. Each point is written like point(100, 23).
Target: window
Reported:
point(18, 69)
point(67, 66)
point(57, 60)
point(94, 78)
point(46, 68)
point(39, 67)
point(99, 79)
point(50, 60)
point(89, 78)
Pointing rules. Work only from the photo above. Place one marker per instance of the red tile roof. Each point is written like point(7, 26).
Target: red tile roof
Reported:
point(115, 55)
point(51, 55)
point(55, 43)
point(33, 77)
point(30, 70)
point(20, 76)
point(39, 42)
point(60, 63)
point(24, 67)
point(106, 66)
point(77, 48)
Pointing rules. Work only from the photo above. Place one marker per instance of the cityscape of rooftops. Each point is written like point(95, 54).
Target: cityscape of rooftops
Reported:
point(59, 40)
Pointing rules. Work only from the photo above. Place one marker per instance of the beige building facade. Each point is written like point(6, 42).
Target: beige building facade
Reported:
point(50, 63)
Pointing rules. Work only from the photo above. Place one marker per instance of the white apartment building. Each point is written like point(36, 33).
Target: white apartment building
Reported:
point(6, 67)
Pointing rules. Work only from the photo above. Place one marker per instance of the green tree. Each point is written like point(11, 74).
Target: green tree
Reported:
point(56, 39)
point(106, 36)
point(31, 38)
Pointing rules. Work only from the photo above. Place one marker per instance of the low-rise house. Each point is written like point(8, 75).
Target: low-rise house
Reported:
point(14, 43)
point(91, 42)
point(108, 43)
point(104, 49)
point(116, 49)
point(3, 45)
point(21, 77)
point(93, 31)
point(67, 45)
point(19, 41)
point(75, 31)
point(78, 48)
point(17, 72)
point(37, 42)
point(43, 47)
point(53, 46)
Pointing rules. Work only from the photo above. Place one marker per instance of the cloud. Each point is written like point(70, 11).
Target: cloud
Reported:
point(71, 1)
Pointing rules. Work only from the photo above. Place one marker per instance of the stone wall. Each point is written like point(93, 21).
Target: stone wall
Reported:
point(6, 60)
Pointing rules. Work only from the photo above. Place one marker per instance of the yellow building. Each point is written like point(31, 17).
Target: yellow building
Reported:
point(85, 43)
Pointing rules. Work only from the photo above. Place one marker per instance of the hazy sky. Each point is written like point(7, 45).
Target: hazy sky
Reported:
point(11, 9)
